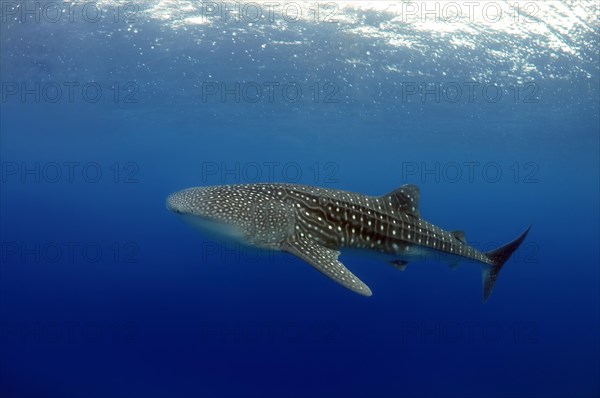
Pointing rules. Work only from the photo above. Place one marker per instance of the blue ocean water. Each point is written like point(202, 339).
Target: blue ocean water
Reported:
point(109, 107)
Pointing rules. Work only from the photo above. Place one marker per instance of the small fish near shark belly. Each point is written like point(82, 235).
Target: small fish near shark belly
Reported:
point(314, 223)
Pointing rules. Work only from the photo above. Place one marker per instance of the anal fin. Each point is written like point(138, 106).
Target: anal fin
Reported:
point(325, 260)
point(399, 264)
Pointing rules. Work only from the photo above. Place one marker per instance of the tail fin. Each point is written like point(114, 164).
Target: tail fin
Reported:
point(499, 256)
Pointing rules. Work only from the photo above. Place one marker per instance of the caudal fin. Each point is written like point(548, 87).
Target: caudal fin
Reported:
point(499, 256)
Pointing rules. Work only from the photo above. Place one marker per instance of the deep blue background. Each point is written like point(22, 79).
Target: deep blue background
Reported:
point(167, 312)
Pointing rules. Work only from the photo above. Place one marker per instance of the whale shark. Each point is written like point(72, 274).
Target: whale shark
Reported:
point(315, 223)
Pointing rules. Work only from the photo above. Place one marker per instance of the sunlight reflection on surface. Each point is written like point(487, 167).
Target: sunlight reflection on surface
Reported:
point(507, 32)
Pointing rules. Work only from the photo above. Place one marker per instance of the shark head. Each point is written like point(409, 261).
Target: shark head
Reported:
point(251, 214)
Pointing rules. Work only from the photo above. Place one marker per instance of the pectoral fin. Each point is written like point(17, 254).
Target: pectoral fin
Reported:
point(326, 261)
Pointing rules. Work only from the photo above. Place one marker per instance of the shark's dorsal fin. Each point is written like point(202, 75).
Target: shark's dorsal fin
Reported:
point(406, 198)
point(459, 235)
point(326, 261)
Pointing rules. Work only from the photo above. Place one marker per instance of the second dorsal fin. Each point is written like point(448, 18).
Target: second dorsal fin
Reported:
point(459, 235)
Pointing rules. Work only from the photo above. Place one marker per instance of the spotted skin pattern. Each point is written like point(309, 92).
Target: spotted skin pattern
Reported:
point(314, 223)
